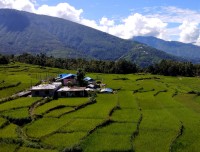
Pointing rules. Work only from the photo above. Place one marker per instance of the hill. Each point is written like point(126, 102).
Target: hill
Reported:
point(188, 51)
point(147, 113)
point(26, 32)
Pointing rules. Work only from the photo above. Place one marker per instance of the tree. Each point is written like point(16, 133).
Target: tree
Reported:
point(80, 76)
point(3, 59)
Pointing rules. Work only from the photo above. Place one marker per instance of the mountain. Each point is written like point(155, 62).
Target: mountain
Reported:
point(188, 51)
point(26, 32)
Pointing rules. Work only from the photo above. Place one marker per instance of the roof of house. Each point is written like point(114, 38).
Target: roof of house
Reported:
point(73, 89)
point(107, 90)
point(87, 79)
point(68, 76)
point(65, 76)
point(45, 87)
point(90, 89)
point(62, 75)
point(91, 86)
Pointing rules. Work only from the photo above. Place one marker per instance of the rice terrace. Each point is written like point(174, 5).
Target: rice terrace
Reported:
point(145, 113)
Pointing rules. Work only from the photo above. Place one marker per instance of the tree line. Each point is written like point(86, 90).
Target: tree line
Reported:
point(4, 59)
point(165, 67)
point(174, 68)
point(97, 66)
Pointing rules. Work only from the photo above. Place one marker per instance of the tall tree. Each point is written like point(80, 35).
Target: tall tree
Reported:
point(80, 76)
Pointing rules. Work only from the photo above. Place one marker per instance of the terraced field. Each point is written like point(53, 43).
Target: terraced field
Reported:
point(147, 113)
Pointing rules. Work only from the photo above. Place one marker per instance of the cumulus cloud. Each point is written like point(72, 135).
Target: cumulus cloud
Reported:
point(106, 22)
point(198, 41)
point(172, 14)
point(62, 10)
point(189, 32)
point(137, 24)
point(25, 5)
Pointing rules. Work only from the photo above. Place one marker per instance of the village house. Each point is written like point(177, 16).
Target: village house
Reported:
point(65, 79)
point(45, 90)
point(106, 90)
point(72, 92)
point(66, 86)
point(89, 80)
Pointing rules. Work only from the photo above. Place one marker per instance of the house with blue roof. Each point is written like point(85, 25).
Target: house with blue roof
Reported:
point(67, 78)
point(89, 80)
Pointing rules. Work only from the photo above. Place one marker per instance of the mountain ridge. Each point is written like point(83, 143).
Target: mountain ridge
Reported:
point(184, 50)
point(27, 32)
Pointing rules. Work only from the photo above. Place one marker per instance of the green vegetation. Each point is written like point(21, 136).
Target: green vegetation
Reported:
point(62, 141)
point(8, 131)
point(65, 39)
point(18, 103)
point(146, 113)
point(171, 47)
point(7, 147)
point(61, 102)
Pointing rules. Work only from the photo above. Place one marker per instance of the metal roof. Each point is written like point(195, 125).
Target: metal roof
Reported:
point(88, 79)
point(107, 90)
point(45, 87)
point(66, 89)
point(68, 75)
point(62, 75)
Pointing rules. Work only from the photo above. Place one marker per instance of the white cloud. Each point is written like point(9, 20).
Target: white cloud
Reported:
point(106, 22)
point(189, 32)
point(137, 24)
point(172, 14)
point(26, 5)
point(198, 41)
point(62, 10)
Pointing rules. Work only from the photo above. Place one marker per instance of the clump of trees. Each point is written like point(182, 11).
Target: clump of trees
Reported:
point(4, 59)
point(165, 67)
point(174, 68)
point(80, 76)
point(98, 66)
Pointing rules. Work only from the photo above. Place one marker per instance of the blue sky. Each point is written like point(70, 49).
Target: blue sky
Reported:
point(167, 19)
point(95, 9)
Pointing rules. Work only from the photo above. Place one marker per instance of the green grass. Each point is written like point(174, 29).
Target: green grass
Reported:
point(187, 111)
point(66, 140)
point(158, 127)
point(18, 103)
point(118, 129)
point(107, 142)
point(84, 125)
point(44, 126)
point(7, 147)
point(27, 149)
point(72, 102)
point(8, 131)
point(2, 121)
point(13, 78)
point(16, 114)
point(59, 112)
point(66, 127)
point(126, 115)
point(126, 100)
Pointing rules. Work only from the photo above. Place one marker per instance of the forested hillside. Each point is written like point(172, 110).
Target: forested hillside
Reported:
point(26, 32)
point(188, 51)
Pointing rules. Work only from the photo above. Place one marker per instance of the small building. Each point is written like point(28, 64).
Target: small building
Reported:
point(62, 75)
point(89, 80)
point(66, 78)
point(45, 90)
point(106, 90)
point(72, 92)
